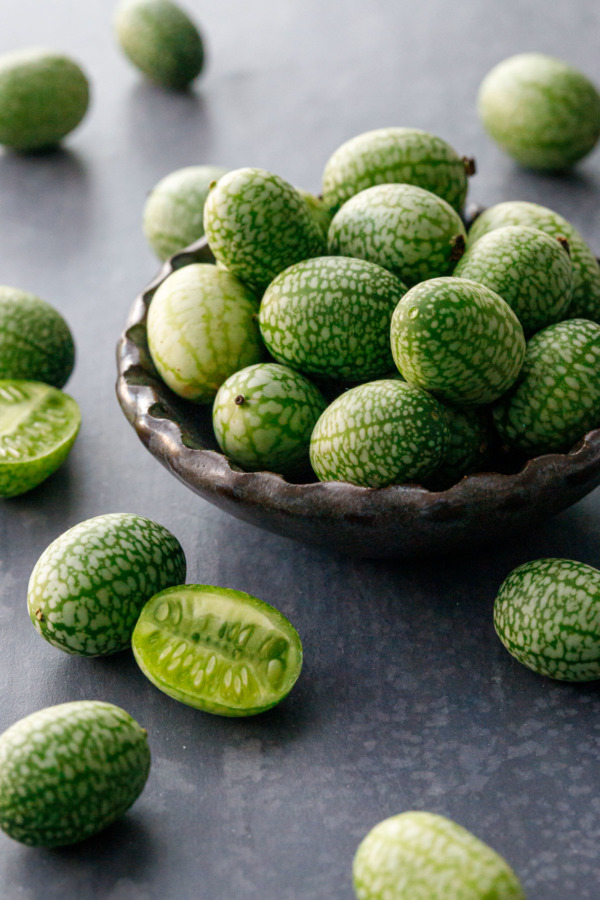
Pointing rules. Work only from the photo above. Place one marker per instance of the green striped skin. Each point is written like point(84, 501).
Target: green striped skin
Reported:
point(379, 433)
point(174, 211)
point(43, 97)
point(395, 156)
point(556, 399)
point(541, 111)
point(218, 650)
point(403, 228)
point(318, 209)
point(35, 341)
point(257, 225)
point(201, 329)
point(263, 417)
point(457, 339)
point(38, 427)
point(586, 271)
point(68, 771)
point(530, 270)
point(547, 615)
point(330, 316)
point(87, 588)
point(470, 440)
point(161, 40)
point(423, 856)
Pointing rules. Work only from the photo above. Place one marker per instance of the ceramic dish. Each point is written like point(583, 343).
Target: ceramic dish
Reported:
point(397, 521)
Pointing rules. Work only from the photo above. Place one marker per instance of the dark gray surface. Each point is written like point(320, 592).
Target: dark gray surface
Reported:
point(407, 699)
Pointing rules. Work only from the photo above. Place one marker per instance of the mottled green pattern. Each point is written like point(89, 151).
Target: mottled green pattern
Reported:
point(38, 427)
point(35, 341)
point(380, 433)
point(219, 650)
point(457, 339)
point(586, 271)
point(395, 156)
point(201, 329)
point(556, 398)
point(318, 209)
point(423, 856)
point(68, 771)
point(174, 211)
point(331, 316)
point(468, 448)
point(257, 225)
point(87, 588)
point(161, 40)
point(403, 228)
point(43, 96)
point(547, 614)
point(263, 417)
point(530, 270)
point(541, 111)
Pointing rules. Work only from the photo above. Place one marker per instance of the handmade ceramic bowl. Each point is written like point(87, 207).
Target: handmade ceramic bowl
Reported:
point(398, 521)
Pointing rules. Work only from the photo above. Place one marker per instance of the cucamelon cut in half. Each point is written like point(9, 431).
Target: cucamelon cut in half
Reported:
point(257, 224)
point(540, 110)
point(556, 398)
point(424, 856)
point(457, 339)
point(330, 316)
point(263, 417)
point(35, 341)
point(68, 771)
point(174, 211)
point(396, 156)
point(379, 433)
point(89, 585)
point(161, 40)
point(529, 269)
point(38, 427)
point(547, 615)
point(201, 329)
point(219, 650)
point(586, 271)
point(412, 232)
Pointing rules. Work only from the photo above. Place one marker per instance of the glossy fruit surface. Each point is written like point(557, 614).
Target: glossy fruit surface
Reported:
point(68, 771)
point(87, 588)
point(38, 427)
point(219, 650)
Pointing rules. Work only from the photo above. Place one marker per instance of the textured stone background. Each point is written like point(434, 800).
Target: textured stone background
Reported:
point(407, 699)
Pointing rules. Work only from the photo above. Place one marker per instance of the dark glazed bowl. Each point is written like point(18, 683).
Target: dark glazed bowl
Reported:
point(397, 521)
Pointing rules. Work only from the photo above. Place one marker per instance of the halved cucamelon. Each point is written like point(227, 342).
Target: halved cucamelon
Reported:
point(219, 650)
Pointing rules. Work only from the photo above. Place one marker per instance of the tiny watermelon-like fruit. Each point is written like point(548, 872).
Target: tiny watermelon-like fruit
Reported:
point(530, 270)
point(547, 615)
point(586, 271)
point(410, 231)
point(89, 585)
point(263, 417)
point(379, 433)
point(161, 40)
point(318, 209)
point(202, 327)
point(68, 771)
point(219, 650)
point(36, 343)
point(330, 316)
point(257, 224)
point(540, 110)
point(469, 447)
point(174, 211)
point(457, 339)
point(43, 96)
point(38, 427)
point(421, 854)
point(396, 156)
point(556, 399)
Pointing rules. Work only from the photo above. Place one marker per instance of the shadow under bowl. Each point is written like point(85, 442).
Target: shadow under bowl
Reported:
point(404, 520)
